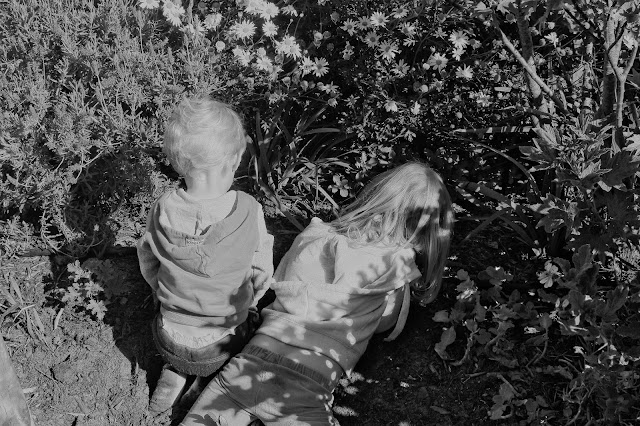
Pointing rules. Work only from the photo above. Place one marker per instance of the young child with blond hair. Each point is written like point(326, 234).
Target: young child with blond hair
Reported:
point(206, 252)
point(339, 283)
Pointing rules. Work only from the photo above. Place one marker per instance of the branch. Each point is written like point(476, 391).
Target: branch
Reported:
point(532, 72)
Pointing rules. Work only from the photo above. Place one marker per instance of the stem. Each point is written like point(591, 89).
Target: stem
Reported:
point(531, 71)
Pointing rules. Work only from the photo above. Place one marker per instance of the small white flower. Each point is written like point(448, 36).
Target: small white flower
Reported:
point(438, 61)
point(269, 29)
point(553, 38)
point(220, 45)
point(349, 26)
point(243, 56)
point(321, 67)
point(172, 12)
point(364, 23)
point(307, 65)
point(415, 109)
point(459, 39)
point(288, 46)
point(400, 12)
point(390, 105)
point(243, 29)
point(148, 4)
point(378, 19)
point(289, 10)
point(388, 50)
point(464, 72)
point(332, 102)
point(372, 39)
point(212, 21)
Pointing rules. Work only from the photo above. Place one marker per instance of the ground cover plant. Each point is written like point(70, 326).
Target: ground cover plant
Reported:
point(527, 108)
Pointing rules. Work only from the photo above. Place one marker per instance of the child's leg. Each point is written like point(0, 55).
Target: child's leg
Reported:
point(215, 407)
point(168, 390)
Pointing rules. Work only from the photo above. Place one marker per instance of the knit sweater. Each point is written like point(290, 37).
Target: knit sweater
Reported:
point(209, 276)
point(331, 293)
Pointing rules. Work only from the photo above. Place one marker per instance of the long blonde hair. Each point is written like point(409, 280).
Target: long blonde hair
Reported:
point(407, 206)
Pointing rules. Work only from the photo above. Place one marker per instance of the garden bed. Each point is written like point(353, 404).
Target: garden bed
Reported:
point(78, 370)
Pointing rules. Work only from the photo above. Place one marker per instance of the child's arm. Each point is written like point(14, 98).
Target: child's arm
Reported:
point(148, 261)
point(262, 266)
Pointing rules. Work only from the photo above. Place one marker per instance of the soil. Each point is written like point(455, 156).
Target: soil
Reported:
point(76, 370)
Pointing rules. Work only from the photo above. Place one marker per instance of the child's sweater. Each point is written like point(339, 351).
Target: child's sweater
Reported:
point(330, 293)
point(206, 274)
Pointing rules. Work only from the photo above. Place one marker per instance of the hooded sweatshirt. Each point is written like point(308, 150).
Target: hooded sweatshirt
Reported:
point(331, 293)
point(212, 275)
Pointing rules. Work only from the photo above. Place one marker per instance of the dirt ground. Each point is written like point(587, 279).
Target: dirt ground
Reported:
point(76, 370)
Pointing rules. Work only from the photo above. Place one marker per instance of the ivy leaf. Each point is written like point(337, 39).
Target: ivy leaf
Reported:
point(441, 316)
point(447, 338)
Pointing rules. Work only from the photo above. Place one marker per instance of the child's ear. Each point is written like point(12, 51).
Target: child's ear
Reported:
point(236, 161)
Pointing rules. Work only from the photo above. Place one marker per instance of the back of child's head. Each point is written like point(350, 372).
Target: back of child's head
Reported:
point(407, 206)
point(201, 133)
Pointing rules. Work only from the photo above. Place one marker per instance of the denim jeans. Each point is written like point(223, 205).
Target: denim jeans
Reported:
point(206, 360)
point(260, 384)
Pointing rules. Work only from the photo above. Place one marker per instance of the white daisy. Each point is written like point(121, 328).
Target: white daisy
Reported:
point(269, 29)
point(388, 50)
point(172, 12)
point(243, 29)
point(148, 4)
point(212, 21)
point(349, 26)
point(288, 46)
point(321, 67)
point(378, 19)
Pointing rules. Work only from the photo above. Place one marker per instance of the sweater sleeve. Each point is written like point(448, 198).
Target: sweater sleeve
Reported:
point(149, 263)
point(262, 265)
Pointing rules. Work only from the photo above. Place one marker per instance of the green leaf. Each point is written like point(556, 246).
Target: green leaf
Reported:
point(448, 337)
point(441, 316)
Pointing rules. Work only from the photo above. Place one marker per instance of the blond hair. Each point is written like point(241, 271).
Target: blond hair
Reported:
point(408, 206)
point(200, 133)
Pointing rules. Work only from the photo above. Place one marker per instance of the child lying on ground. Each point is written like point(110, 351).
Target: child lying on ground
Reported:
point(338, 284)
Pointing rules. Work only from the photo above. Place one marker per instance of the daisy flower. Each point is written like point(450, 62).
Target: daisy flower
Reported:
point(328, 88)
point(212, 21)
point(289, 10)
point(243, 29)
point(459, 39)
point(148, 4)
point(378, 19)
point(321, 67)
point(347, 52)
point(172, 12)
point(269, 11)
point(264, 63)
point(364, 23)
point(349, 26)
point(332, 102)
point(351, 101)
point(401, 68)
point(415, 109)
point(437, 61)
point(220, 45)
point(372, 39)
point(307, 66)
point(269, 29)
point(464, 73)
point(400, 12)
point(243, 56)
point(390, 105)
point(553, 38)
point(388, 50)
point(440, 33)
point(457, 54)
point(408, 29)
point(289, 47)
